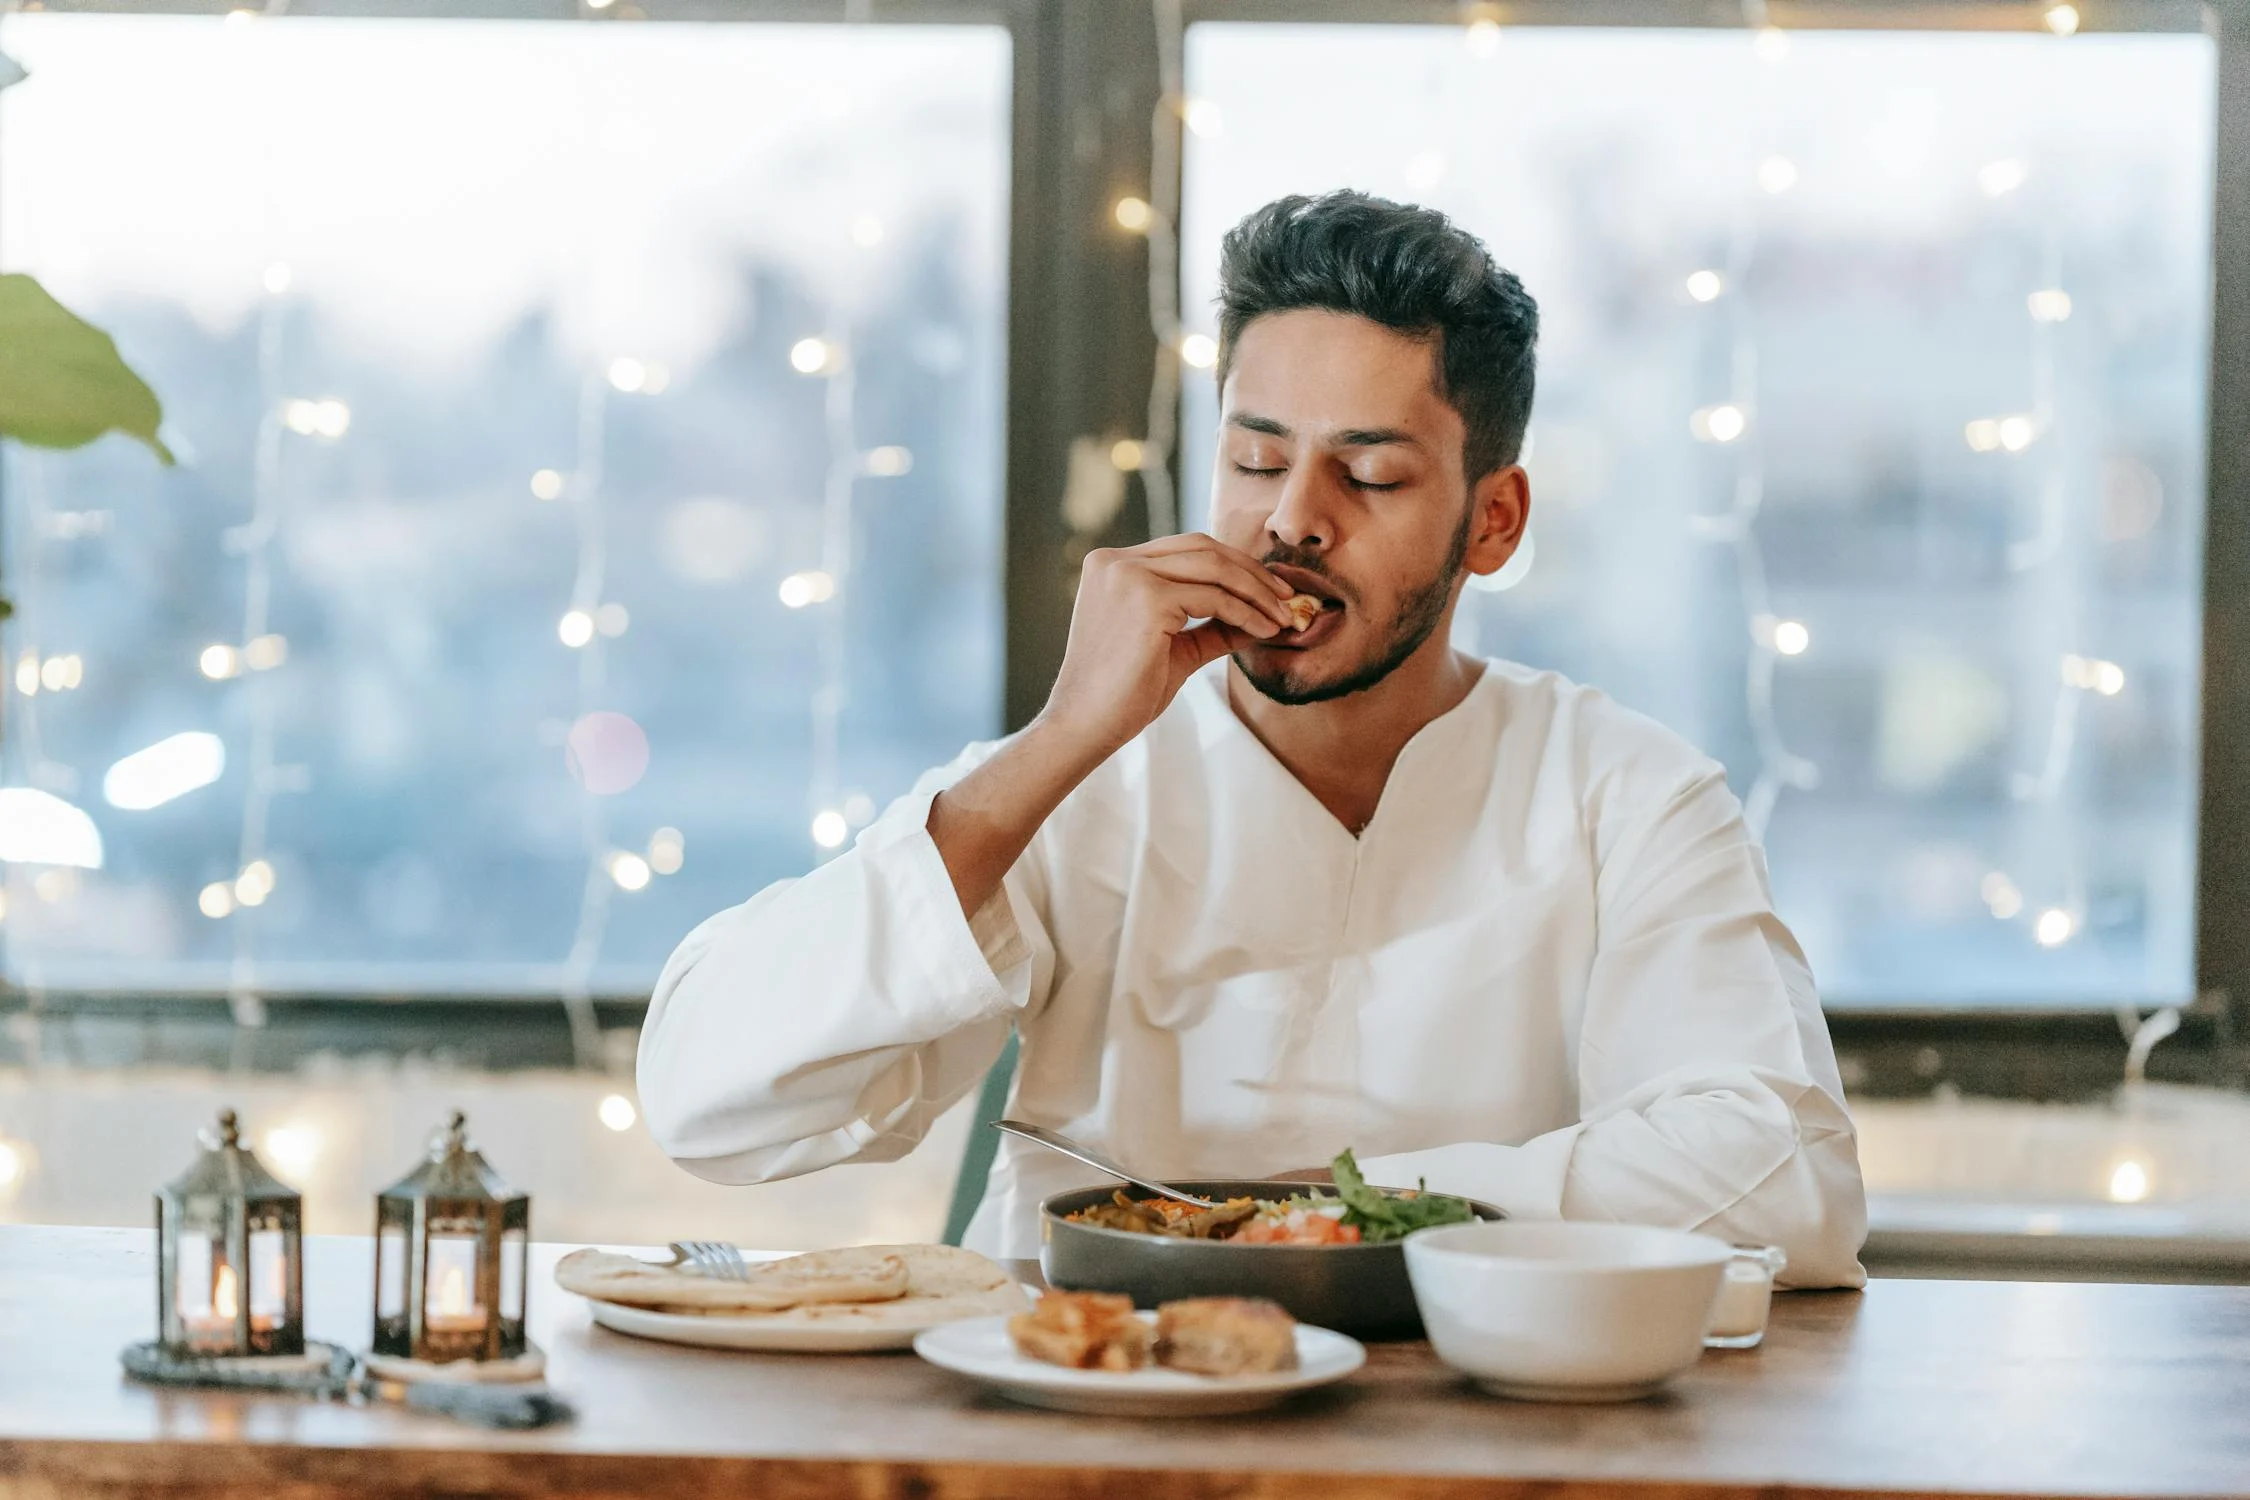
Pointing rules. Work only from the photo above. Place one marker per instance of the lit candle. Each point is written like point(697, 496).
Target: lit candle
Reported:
point(450, 1311)
point(208, 1307)
point(453, 1307)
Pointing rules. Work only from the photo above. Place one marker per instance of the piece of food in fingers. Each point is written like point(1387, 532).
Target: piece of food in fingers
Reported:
point(1083, 1331)
point(1303, 610)
point(1226, 1336)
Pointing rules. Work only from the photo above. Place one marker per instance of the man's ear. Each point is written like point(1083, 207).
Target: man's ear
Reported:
point(1500, 512)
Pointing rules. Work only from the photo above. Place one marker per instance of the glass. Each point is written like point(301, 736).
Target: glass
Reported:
point(205, 1290)
point(589, 507)
point(390, 1277)
point(1738, 1314)
point(1869, 445)
point(269, 1279)
point(452, 1292)
point(512, 1249)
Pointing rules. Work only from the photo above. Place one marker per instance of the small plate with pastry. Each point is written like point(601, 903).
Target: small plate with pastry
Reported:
point(1091, 1352)
point(849, 1301)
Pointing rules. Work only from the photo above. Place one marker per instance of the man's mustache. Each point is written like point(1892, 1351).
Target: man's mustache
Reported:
point(1312, 562)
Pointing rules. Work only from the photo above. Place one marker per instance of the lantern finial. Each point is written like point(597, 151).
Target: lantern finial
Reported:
point(230, 1135)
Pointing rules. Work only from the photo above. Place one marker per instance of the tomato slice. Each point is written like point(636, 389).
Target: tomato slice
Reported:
point(1298, 1229)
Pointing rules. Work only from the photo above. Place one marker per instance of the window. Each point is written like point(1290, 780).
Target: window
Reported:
point(589, 507)
point(1869, 448)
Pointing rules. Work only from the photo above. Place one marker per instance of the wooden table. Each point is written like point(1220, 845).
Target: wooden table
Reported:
point(1913, 1387)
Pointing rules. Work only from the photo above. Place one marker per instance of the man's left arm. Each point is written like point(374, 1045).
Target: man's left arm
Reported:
point(1708, 1092)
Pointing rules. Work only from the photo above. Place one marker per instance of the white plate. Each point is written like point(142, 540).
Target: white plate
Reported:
point(723, 1331)
point(982, 1350)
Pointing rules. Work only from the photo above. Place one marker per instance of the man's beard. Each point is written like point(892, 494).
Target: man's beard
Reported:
point(1416, 617)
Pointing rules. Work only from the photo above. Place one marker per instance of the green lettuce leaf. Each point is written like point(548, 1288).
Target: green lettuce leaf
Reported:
point(1383, 1216)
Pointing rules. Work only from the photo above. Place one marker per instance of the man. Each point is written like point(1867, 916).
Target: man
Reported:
point(1252, 893)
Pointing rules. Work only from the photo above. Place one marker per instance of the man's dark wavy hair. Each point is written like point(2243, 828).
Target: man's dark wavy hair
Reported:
point(1409, 269)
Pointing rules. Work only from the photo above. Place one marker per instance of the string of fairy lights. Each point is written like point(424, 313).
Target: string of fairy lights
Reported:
point(1729, 422)
point(1732, 422)
point(605, 750)
point(290, 418)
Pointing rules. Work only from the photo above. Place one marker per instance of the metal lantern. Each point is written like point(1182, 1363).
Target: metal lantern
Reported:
point(230, 1276)
point(450, 1239)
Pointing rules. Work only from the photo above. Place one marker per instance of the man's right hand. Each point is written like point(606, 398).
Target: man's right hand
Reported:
point(1133, 636)
point(1133, 642)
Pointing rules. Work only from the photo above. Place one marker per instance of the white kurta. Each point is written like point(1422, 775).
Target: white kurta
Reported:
point(1547, 975)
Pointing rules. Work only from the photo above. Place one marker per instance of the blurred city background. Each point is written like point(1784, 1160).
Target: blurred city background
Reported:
point(593, 491)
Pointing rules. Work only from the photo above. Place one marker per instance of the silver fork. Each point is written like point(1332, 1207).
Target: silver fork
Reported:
point(713, 1258)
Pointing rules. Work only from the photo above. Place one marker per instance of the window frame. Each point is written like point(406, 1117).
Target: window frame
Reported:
point(2040, 1052)
point(1086, 84)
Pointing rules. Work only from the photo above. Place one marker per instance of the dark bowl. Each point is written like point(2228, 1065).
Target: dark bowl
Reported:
point(1361, 1290)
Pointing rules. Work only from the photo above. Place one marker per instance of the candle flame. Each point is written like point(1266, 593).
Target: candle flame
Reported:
point(223, 1292)
point(453, 1292)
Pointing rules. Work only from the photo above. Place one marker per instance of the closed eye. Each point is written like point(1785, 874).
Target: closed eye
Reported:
point(1370, 487)
point(1242, 468)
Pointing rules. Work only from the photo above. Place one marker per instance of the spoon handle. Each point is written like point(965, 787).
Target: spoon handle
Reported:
point(1040, 1135)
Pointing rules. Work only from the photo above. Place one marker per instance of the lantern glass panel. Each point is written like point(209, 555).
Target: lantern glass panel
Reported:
point(268, 1276)
point(203, 1291)
point(390, 1272)
point(455, 1315)
point(512, 1251)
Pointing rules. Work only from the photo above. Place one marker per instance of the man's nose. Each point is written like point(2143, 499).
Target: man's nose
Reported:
point(1301, 516)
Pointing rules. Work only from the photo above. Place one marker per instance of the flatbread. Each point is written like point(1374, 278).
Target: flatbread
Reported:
point(904, 1312)
point(1303, 609)
point(947, 1270)
point(859, 1275)
point(944, 1285)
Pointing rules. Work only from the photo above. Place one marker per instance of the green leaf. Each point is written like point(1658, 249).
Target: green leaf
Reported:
point(62, 383)
point(1385, 1216)
point(1376, 1212)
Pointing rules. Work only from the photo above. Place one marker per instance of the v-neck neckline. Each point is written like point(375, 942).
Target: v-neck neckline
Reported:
point(1215, 680)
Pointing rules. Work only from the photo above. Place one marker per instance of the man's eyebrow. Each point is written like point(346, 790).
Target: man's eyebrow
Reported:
point(1376, 437)
point(1351, 437)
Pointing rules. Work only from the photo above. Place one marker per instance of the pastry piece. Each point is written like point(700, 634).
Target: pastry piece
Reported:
point(1226, 1336)
point(1082, 1331)
point(1303, 609)
point(864, 1274)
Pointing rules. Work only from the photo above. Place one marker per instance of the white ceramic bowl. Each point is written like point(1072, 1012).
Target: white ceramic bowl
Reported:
point(1566, 1312)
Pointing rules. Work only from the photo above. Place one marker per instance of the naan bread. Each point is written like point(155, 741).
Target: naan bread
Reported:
point(860, 1275)
point(947, 1270)
point(904, 1312)
point(944, 1285)
point(1303, 609)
